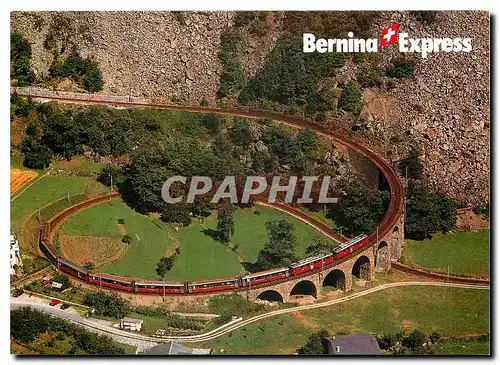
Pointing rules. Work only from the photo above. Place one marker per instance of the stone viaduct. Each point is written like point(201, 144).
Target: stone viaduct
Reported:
point(361, 264)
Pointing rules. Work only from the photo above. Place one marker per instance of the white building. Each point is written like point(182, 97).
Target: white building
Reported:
point(15, 253)
point(131, 324)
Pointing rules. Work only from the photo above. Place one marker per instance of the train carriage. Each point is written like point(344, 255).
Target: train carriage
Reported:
point(208, 286)
point(160, 288)
point(265, 276)
point(109, 281)
point(311, 263)
point(350, 246)
point(72, 269)
point(48, 251)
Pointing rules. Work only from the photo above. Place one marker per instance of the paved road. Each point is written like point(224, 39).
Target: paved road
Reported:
point(145, 341)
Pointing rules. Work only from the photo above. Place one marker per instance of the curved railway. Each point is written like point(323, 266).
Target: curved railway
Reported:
point(391, 218)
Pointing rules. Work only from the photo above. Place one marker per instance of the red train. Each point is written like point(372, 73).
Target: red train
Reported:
point(205, 286)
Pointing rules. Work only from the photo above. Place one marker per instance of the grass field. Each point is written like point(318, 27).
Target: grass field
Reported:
point(79, 164)
point(149, 242)
point(204, 258)
point(464, 253)
point(474, 347)
point(201, 256)
point(44, 191)
point(449, 311)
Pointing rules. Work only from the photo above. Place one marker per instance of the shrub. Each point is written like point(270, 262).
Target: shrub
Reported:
point(412, 165)
point(401, 67)
point(85, 71)
point(434, 337)
point(63, 279)
point(38, 157)
point(316, 344)
point(370, 77)
point(390, 85)
point(427, 17)
point(351, 98)
point(127, 239)
point(232, 77)
point(110, 305)
point(211, 122)
point(414, 340)
point(20, 55)
point(89, 265)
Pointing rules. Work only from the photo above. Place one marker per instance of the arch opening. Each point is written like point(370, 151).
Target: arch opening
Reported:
point(335, 279)
point(270, 296)
point(304, 287)
point(382, 257)
point(361, 268)
point(395, 244)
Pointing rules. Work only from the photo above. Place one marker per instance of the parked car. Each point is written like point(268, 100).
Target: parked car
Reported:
point(17, 293)
point(64, 306)
point(54, 302)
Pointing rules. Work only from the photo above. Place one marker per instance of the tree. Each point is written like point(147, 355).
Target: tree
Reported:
point(351, 98)
point(280, 248)
point(320, 245)
point(232, 77)
point(176, 213)
point(291, 78)
point(316, 344)
point(422, 214)
point(361, 208)
point(27, 323)
point(62, 135)
point(225, 222)
point(211, 122)
point(85, 71)
point(427, 212)
point(20, 55)
point(62, 279)
point(307, 140)
point(37, 157)
point(110, 305)
point(447, 211)
point(166, 264)
point(412, 165)
point(386, 341)
point(127, 239)
point(401, 67)
point(240, 133)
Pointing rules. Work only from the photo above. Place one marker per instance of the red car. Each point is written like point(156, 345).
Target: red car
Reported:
point(54, 302)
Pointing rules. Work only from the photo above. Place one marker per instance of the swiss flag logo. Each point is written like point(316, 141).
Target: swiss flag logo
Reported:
point(389, 35)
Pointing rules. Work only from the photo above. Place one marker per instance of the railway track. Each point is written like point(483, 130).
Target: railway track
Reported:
point(396, 205)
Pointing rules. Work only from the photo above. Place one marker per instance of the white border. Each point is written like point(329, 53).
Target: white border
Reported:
point(5, 357)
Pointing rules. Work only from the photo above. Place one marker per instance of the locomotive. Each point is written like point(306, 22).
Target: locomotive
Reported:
point(205, 286)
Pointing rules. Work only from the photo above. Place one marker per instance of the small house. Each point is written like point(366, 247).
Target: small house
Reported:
point(356, 344)
point(131, 324)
